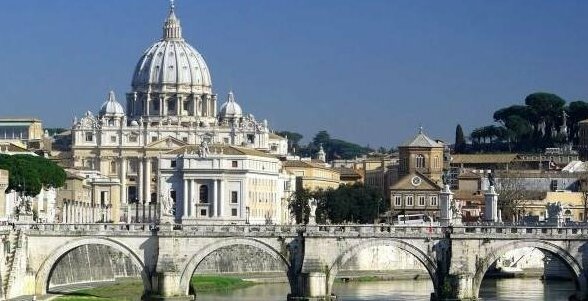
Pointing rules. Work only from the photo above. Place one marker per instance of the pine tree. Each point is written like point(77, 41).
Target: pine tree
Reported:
point(460, 143)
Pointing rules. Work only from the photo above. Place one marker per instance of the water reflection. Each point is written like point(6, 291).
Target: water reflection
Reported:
point(526, 289)
point(408, 290)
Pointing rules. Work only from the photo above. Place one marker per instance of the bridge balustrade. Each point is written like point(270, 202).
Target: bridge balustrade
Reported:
point(76, 228)
point(521, 230)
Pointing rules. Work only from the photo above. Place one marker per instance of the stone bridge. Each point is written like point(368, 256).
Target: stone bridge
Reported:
point(456, 258)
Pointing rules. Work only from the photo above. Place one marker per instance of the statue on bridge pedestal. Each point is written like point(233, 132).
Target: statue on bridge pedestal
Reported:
point(312, 203)
point(491, 180)
point(555, 214)
point(166, 208)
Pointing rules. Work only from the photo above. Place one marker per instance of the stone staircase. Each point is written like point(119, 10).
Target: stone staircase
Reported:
point(13, 262)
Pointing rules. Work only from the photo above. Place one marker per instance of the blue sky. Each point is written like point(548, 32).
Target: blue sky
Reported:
point(369, 71)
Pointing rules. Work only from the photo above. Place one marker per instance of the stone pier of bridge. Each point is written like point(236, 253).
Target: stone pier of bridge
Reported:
point(456, 258)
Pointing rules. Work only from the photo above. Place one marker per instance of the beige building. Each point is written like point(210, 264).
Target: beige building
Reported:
point(419, 177)
point(423, 155)
point(23, 130)
point(74, 202)
point(311, 175)
point(574, 206)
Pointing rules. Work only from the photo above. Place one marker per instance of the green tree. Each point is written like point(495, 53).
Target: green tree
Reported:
point(577, 111)
point(29, 174)
point(460, 142)
point(355, 203)
point(322, 138)
point(293, 139)
point(298, 205)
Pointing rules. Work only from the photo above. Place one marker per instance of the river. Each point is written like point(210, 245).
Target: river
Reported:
point(413, 290)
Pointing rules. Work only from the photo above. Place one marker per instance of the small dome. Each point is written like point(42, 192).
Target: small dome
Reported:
point(230, 109)
point(172, 63)
point(111, 107)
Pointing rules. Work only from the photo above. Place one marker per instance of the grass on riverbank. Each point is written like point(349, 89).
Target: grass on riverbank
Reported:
point(218, 283)
point(131, 290)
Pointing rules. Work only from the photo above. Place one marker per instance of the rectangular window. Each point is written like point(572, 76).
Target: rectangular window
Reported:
point(174, 163)
point(153, 139)
point(89, 136)
point(397, 201)
point(234, 212)
point(203, 212)
point(409, 200)
point(113, 139)
point(553, 185)
point(185, 139)
point(234, 197)
point(235, 164)
point(433, 201)
point(133, 138)
point(422, 200)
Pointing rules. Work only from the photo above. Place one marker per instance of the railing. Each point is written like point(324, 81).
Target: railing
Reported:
point(347, 230)
point(94, 227)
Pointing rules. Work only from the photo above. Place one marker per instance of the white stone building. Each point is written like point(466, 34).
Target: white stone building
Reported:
point(221, 183)
point(171, 105)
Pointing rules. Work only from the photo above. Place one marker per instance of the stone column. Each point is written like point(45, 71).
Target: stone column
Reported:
point(123, 180)
point(64, 213)
point(193, 196)
point(221, 198)
point(147, 181)
point(491, 205)
point(140, 180)
point(147, 104)
point(215, 198)
point(124, 197)
point(213, 105)
point(186, 197)
point(445, 203)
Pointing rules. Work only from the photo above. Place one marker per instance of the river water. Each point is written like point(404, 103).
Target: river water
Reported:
point(404, 290)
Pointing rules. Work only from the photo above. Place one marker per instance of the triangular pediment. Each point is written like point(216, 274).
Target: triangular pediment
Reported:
point(167, 143)
point(415, 181)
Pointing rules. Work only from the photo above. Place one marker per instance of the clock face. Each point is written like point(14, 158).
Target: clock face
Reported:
point(416, 181)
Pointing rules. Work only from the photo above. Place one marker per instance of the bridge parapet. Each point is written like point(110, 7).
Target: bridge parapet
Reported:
point(85, 229)
point(377, 230)
point(231, 230)
point(517, 231)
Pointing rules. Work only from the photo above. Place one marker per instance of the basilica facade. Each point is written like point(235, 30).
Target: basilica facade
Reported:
point(171, 105)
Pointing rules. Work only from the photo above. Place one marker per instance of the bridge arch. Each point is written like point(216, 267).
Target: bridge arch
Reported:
point(44, 272)
point(428, 262)
point(572, 263)
point(197, 258)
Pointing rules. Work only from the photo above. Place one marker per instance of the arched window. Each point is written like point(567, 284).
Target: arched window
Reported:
point(420, 161)
point(204, 194)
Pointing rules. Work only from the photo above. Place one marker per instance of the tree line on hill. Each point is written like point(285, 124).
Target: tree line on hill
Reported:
point(29, 174)
point(530, 127)
point(334, 148)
